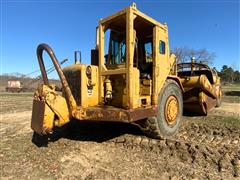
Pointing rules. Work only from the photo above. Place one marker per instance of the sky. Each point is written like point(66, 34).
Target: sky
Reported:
point(71, 25)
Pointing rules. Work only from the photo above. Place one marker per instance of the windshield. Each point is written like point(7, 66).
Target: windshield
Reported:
point(118, 54)
point(117, 48)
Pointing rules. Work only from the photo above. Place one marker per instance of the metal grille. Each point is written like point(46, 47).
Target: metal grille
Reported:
point(74, 81)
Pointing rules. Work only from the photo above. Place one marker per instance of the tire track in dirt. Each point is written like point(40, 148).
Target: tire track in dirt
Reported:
point(221, 158)
point(198, 143)
point(209, 135)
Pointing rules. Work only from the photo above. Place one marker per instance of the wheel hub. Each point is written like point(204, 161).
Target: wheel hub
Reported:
point(171, 110)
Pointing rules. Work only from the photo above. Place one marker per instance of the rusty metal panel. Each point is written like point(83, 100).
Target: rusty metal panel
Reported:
point(142, 113)
point(107, 114)
point(118, 114)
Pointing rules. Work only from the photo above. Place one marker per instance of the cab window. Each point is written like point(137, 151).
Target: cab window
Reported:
point(117, 49)
point(118, 53)
point(148, 51)
point(162, 47)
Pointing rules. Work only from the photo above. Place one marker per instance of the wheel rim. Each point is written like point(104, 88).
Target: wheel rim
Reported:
point(171, 110)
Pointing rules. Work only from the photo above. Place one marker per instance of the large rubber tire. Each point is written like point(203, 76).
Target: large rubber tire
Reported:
point(158, 126)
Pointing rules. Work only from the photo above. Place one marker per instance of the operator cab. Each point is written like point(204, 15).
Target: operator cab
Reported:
point(130, 45)
point(143, 51)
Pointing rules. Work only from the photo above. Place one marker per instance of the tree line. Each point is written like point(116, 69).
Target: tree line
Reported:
point(229, 75)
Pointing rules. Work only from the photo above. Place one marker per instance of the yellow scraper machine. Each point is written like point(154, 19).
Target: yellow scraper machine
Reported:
point(136, 81)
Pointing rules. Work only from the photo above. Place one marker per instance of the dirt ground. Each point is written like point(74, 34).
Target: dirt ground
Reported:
point(204, 148)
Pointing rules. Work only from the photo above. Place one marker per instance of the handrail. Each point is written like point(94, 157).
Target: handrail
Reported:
point(69, 97)
point(181, 65)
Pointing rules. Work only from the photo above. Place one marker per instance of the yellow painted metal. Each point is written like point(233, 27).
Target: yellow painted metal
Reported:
point(114, 72)
point(129, 62)
point(191, 82)
point(57, 104)
point(49, 109)
point(135, 87)
point(146, 87)
point(162, 63)
point(156, 66)
point(113, 16)
point(149, 19)
point(108, 90)
point(85, 89)
point(171, 110)
point(42, 117)
point(201, 87)
point(101, 62)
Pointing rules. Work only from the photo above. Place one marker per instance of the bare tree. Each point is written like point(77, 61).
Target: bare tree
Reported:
point(184, 54)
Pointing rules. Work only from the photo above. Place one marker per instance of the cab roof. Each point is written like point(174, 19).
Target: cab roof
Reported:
point(119, 18)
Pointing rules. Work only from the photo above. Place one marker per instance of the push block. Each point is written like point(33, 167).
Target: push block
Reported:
point(42, 117)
